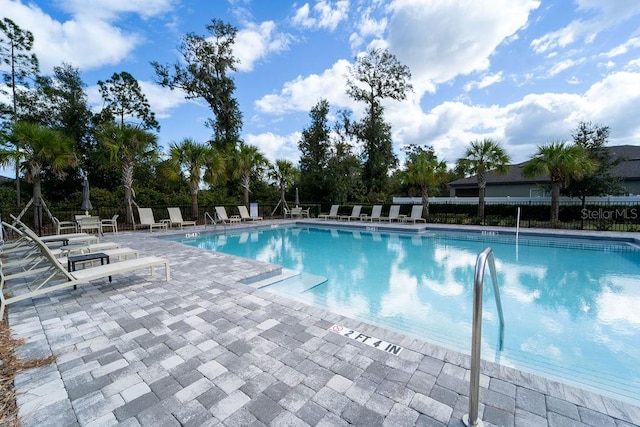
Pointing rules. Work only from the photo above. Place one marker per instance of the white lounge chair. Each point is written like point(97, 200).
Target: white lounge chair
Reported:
point(355, 213)
point(394, 214)
point(56, 277)
point(221, 215)
point(147, 220)
point(244, 215)
point(333, 213)
point(175, 218)
point(376, 211)
point(416, 214)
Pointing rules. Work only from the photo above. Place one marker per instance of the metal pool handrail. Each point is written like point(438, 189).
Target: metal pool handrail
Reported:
point(471, 419)
point(213, 221)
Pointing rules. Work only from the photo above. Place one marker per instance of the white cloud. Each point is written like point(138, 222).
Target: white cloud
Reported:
point(623, 48)
point(441, 40)
point(85, 41)
point(304, 92)
point(108, 9)
point(367, 27)
point(276, 147)
point(564, 65)
point(607, 14)
point(257, 41)
point(327, 15)
point(486, 81)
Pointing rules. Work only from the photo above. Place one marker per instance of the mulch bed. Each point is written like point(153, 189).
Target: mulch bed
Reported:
point(10, 366)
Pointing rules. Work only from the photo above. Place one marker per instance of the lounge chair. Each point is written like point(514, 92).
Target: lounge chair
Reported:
point(244, 215)
point(175, 218)
point(394, 214)
point(221, 215)
point(147, 220)
point(355, 213)
point(56, 277)
point(416, 214)
point(333, 213)
point(110, 223)
point(376, 211)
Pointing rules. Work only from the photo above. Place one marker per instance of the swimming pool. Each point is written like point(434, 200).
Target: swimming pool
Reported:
point(570, 305)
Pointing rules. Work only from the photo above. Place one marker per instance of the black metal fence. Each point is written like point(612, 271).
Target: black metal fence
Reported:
point(605, 216)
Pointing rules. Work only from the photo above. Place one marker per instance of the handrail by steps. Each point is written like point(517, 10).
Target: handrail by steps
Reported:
point(471, 419)
point(213, 221)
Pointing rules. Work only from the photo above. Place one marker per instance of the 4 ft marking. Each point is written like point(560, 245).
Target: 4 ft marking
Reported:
point(366, 339)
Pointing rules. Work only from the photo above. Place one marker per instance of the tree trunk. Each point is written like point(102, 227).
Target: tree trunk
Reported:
point(481, 190)
point(555, 202)
point(425, 201)
point(245, 184)
point(127, 182)
point(194, 202)
point(37, 205)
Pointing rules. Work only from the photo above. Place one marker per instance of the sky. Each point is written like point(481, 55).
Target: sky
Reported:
point(521, 72)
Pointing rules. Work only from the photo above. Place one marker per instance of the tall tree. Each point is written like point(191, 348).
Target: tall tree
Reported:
point(284, 173)
point(378, 75)
point(344, 169)
point(247, 161)
point(600, 182)
point(314, 146)
point(424, 170)
point(60, 102)
point(204, 72)
point(561, 163)
point(480, 158)
point(127, 145)
point(40, 147)
point(124, 98)
point(15, 48)
point(197, 160)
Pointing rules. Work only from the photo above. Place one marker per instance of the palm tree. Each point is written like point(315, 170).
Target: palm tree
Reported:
point(40, 148)
point(424, 170)
point(561, 163)
point(195, 158)
point(127, 144)
point(247, 161)
point(479, 159)
point(284, 173)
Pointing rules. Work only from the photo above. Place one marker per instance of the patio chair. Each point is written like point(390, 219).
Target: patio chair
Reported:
point(110, 223)
point(333, 213)
point(147, 220)
point(376, 211)
point(355, 213)
point(175, 218)
point(394, 214)
point(244, 215)
point(62, 226)
point(88, 223)
point(221, 214)
point(56, 277)
point(416, 214)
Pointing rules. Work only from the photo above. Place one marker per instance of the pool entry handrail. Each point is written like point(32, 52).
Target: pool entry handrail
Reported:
point(471, 419)
point(213, 221)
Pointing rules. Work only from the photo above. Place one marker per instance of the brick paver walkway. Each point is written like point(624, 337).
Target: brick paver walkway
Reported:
point(205, 349)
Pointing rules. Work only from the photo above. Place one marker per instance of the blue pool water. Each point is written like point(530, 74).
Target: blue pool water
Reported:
point(570, 305)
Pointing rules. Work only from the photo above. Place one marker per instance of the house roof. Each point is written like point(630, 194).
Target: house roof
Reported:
point(628, 169)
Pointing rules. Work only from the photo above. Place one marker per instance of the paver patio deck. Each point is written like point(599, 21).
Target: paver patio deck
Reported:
point(205, 349)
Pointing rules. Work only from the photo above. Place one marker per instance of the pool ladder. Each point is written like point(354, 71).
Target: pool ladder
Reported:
point(213, 221)
point(471, 419)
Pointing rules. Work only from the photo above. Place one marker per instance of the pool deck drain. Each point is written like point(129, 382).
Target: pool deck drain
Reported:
point(205, 349)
